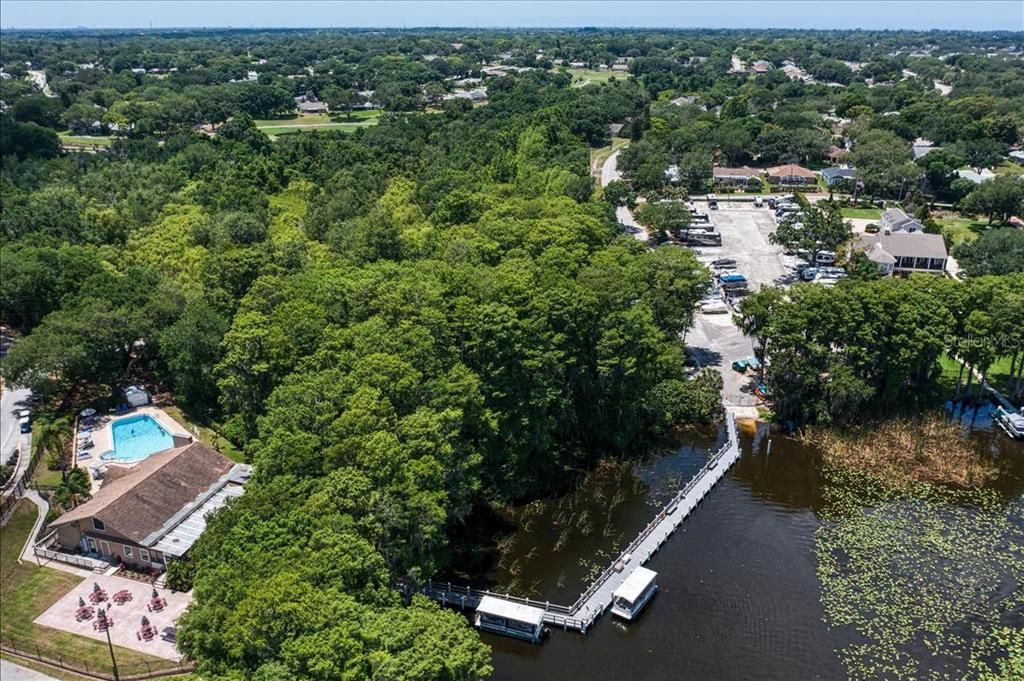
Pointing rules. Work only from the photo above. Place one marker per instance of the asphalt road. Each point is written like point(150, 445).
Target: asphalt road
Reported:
point(10, 437)
point(609, 172)
point(14, 672)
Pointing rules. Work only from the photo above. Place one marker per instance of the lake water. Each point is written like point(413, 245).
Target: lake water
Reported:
point(739, 594)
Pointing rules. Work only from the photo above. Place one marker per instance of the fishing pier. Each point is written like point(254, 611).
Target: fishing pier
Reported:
point(598, 596)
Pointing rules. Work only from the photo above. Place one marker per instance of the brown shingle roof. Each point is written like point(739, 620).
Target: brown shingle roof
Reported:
point(791, 170)
point(139, 503)
point(743, 171)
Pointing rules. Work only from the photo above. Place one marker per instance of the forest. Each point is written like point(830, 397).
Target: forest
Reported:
point(405, 324)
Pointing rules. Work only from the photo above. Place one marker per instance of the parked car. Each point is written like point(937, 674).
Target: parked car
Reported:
point(809, 273)
point(723, 262)
point(826, 258)
point(712, 202)
point(758, 201)
point(776, 200)
point(714, 307)
point(732, 278)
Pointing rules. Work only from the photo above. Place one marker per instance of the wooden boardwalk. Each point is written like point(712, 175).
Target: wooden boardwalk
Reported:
point(598, 596)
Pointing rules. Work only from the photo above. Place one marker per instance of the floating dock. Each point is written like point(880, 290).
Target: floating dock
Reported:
point(582, 614)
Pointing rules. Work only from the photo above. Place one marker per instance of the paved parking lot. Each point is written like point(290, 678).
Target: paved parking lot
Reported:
point(715, 341)
point(745, 231)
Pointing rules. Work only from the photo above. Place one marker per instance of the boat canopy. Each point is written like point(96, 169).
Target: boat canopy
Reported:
point(498, 607)
point(638, 581)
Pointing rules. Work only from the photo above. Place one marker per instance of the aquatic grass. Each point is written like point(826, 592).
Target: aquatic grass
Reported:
point(915, 567)
point(904, 452)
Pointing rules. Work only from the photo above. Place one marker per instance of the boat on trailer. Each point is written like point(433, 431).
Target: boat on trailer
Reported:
point(632, 595)
point(1011, 422)
point(507, 618)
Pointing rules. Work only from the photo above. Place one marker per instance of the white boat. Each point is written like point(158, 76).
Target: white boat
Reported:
point(1011, 422)
point(499, 616)
point(632, 595)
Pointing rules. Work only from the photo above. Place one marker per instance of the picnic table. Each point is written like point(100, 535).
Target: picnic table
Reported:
point(103, 623)
point(85, 612)
point(123, 596)
point(146, 632)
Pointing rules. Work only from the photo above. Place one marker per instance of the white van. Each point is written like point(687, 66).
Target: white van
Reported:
point(826, 258)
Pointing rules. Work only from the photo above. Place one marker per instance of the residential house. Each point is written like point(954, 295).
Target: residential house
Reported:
point(310, 105)
point(761, 66)
point(835, 177)
point(977, 176)
point(153, 511)
point(791, 175)
point(736, 177)
point(620, 67)
point(835, 154)
point(901, 253)
point(688, 101)
point(920, 150)
point(896, 220)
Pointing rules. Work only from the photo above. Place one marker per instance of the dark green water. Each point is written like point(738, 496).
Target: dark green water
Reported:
point(739, 593)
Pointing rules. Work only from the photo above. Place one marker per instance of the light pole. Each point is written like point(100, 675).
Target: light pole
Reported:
point(106, 628)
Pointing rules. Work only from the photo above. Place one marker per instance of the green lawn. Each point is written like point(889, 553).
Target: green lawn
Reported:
point(296, 122)
point(865, 213)
point(998, 374)
point(26, 590)
point(86, 140)
point(207, 434)
point(581, 77)
point(961, 229)
point(1008, 168)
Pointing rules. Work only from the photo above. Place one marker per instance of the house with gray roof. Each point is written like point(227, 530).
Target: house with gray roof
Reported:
point(838, 176)
point(901, 253)
point(896, 220)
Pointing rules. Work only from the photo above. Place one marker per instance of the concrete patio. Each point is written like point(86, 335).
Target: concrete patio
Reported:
point(127, 617)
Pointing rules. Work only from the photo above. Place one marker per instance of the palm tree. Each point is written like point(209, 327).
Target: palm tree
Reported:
point(54, 436)
point(73, 489)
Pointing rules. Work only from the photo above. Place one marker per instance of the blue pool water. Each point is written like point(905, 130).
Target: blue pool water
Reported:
point(136, 437)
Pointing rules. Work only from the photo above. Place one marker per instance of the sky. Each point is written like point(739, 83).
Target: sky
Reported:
point(978, 15)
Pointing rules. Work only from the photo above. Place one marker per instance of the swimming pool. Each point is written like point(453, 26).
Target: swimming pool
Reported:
point(136, 437)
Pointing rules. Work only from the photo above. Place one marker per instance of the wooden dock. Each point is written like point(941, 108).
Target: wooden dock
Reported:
point(595, 600)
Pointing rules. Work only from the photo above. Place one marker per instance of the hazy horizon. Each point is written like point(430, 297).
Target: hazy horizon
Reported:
point(981, 15)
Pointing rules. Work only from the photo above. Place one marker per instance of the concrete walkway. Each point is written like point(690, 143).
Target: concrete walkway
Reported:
point(29, 556)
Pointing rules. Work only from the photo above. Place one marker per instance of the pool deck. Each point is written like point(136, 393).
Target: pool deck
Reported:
point(103, 439)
